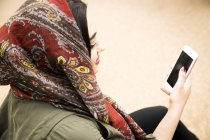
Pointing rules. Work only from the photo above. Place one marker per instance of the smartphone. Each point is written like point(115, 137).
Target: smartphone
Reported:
point(186, 59)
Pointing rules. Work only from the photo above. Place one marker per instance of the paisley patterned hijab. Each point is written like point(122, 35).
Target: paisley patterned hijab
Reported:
point(43, 57)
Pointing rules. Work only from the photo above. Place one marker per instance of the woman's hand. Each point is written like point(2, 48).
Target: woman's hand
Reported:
point(177, 100)
point(181, 90)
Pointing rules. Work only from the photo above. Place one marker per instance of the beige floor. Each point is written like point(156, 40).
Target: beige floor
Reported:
point(142, 39)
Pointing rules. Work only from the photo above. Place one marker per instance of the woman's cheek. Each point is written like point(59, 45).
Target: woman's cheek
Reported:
point(93, 60)
point(93, 56)
point(94, 66)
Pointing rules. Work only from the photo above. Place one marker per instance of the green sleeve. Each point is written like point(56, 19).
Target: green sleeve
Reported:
point(78, 129)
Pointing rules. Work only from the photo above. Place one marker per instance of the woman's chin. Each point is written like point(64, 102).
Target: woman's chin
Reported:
point(95, 69)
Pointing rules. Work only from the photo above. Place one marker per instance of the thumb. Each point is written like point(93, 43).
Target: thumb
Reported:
point(182, 77)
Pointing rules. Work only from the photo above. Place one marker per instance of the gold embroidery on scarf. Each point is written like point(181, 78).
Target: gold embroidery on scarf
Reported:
point(83, 69)
point(106, 119)
point(88, 77)
point(88, 85)
point(111, 101)
point(51, 14)
point(26, 64)
point(61, 60)
point(73, 62)
point(3, 46)
point(82, 88)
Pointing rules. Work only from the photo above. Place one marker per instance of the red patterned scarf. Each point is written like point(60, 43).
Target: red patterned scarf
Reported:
point(43, 57)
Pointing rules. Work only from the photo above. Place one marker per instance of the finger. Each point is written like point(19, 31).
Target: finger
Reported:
point(182, 78)
point(188, 81)
point(188, 84)
point(165, 90)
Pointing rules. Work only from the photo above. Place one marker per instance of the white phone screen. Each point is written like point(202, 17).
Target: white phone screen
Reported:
point(183, 60)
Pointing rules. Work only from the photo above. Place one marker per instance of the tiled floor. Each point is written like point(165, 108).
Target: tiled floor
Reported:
point(142, 39)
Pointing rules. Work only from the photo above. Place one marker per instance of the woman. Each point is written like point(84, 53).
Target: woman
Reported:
point(45, 56)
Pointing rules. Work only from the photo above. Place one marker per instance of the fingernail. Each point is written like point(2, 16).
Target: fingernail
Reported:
point(183, 69)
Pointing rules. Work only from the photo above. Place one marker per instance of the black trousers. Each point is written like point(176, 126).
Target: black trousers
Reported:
point(149, 118)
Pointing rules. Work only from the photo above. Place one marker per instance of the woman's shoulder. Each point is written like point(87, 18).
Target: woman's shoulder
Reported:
point(32, 119)
point(39, 120)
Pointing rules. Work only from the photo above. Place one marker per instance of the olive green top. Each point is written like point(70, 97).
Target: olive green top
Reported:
point(34, 120)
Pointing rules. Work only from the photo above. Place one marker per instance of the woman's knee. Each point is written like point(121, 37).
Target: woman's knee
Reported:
point(150, 111)
point(148, 118)
point(162, 109)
